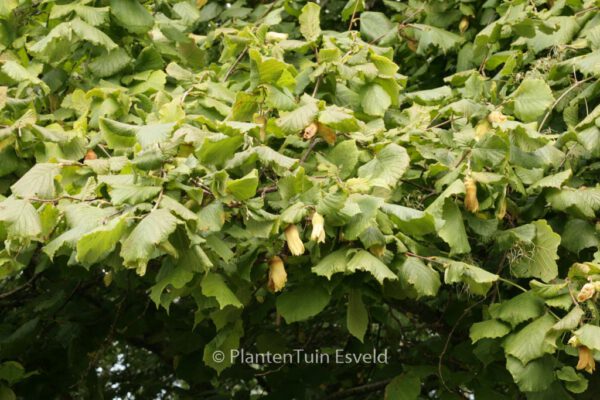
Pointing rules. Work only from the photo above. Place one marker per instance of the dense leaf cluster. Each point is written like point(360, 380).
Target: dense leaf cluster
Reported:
point(184, 177)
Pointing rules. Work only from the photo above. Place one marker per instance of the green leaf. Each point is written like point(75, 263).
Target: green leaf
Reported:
point(542, 263)
point(173, 275)
point(387, 167)
point(310, 21)
point(19, 73)
point(213, 285)
point(574, 382)
point(351, 8)
point(570, 321)
point(345, 156)
point(589, 336)
point(534, 376)
point(97, 244)
point(141, 244)
point(430, 96)
point(21, 218)
point(424, 279)
point(375, 26)
point(478, 280)
point(7, 6)
point(110, 63)
point(555, 181)
point(375, 100)
point(587, 64)
point(131, 15)
point(81, 218)
point(430, 36)
point(339, 119)
point(532, 98)
point(302, 303)
point(520, 308)
point(578, 235)
point(364, 261)
point(132, 194)
point(217, 150)
point(177, 208)
point(529, 343)
point(275, 159)
point(409, 220)
point(92, 15)
point(582, 202)
point(211, 217)
point(453, 232)
point(436, 208)
point(244, 188)
point(403, 387)
point(117, 134)
point(357, 318)
point(148, 135)
point(295, 121)
point(270, 70)
point(490, 329)
point(333, 263)
point(12, 372)
point(92, 34)
point(226, 339)
point(7, 393)
point(38, 182)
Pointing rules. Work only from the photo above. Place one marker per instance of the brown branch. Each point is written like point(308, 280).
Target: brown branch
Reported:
point(358, 390)
point(562, 96)
point(19, 288)
point(445, 349)
point(426, 189)
point(235, 64)
point(353, 15)
point(311, 146)
point(267, 189)
point(66, 197)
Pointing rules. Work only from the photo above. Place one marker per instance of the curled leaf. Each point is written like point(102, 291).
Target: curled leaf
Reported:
point(471, 202)
point(294, 243)
point(310, 131)
point(318, 231)
point(587, 292)
point(496, 117)
point(586, 360)
point(277, 274)
point(90, 155)
point(463, 25)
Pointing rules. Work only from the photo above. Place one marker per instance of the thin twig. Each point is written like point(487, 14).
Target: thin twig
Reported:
point(101, 147)
point(66, 197)
point(317, 83)
point(562, 96)
point(353, 15)
point(160, 196)
point(235, 64)
point(18, 289)
point(358, 390)
point(311, 146)
point(429, 190)
point(267, 189)
point(445, 349)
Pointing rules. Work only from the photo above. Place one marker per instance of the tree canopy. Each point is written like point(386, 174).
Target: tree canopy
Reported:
point(180, 178)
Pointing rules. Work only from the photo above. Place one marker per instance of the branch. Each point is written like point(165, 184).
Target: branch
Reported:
point(18, 289)
point(364, 389)
point(235, 64)
point(311, 146)
point(67, 197)
point(562, 96)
